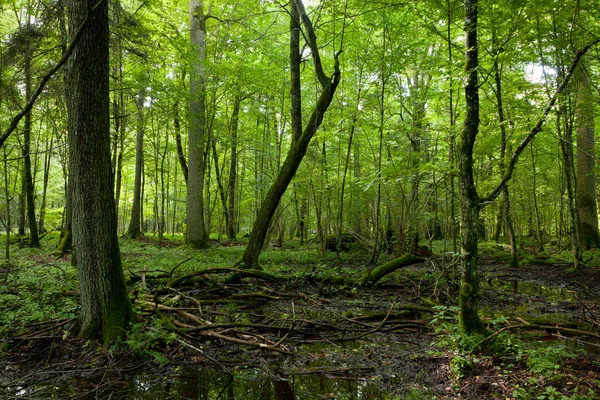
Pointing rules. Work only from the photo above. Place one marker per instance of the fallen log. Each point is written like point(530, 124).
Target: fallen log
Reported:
point(375, 276)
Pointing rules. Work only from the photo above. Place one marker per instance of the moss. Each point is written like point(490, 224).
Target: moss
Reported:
point(387, 268)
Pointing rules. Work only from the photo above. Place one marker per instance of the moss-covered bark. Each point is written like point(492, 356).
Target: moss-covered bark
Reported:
point(374, 276)
point(469, 320)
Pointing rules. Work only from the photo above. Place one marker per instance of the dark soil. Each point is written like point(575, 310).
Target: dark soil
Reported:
point(344, 339)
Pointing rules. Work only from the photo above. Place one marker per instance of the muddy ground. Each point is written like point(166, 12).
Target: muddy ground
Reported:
point(311, 338)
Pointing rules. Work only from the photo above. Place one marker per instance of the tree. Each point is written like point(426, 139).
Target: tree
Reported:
point(586, 175)
point(196, 235)
point(134, 231)
point(300, 143)
point(105, 308)
point(585, 190)
point(471, 202)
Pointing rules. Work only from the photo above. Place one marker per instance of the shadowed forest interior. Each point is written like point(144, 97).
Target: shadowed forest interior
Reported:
point(301, 199)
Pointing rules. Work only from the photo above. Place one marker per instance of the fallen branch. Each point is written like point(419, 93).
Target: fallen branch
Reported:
point(549, 328)
point(238, 272)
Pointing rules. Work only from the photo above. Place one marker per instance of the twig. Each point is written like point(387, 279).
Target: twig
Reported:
point(246, 342)
point(177, 266)
point(539, 327)
point(186, 344)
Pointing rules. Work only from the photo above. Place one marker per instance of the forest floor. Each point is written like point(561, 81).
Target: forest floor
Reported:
point(305, 329)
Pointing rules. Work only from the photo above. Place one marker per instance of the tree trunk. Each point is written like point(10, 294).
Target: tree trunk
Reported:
point(180, 155)
point(196, 235)
point(219, 178)
point(538, 223)
point(505, 203)
point(105, 308)
point(47, 159)
point(340, 218)
point(586, 175)
point(7, 225)
point(566, 143)
point(297, 149)
point(27, 176)
point(231, 225)
point(134, 231)
point(469, 320)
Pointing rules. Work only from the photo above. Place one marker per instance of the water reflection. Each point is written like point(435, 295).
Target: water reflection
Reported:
point(197, 383)
point(553, 293)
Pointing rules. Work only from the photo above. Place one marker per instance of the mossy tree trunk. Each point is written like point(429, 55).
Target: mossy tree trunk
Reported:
point(105, 308)
point(376, 274)
point(471, 203)
point(469, 320)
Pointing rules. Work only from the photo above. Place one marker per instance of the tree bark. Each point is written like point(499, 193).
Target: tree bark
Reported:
point(105, 308)
point(340, 218)
point(196, 235)
point(469, 320)
point(586, 164)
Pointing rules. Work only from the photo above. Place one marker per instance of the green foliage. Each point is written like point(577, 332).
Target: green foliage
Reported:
point(145, 340)
point(35, 293)
point(544, 359)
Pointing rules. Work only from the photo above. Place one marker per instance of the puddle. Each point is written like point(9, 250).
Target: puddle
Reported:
point(530, 288)
point(189, 382)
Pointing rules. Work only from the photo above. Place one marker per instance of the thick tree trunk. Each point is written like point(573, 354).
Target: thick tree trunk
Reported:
point(105, 308)
point(469, 320)
point(297, 149)
point(134, 231)
point(196, 235)
point(586, 164)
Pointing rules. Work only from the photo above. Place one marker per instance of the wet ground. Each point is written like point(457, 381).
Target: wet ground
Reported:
point(315, 340)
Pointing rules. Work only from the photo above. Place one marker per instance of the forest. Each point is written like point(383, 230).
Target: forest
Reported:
point(305, 199)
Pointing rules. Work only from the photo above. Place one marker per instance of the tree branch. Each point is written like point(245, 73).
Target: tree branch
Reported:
point(312, 43)
point(538, 127)
point(65, 57)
